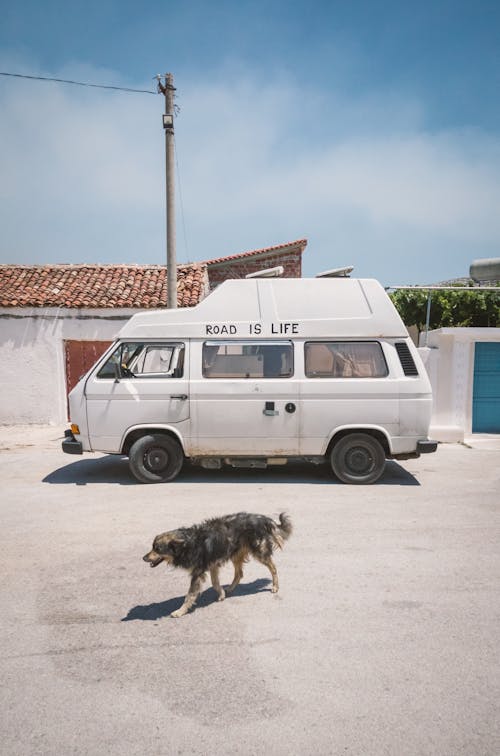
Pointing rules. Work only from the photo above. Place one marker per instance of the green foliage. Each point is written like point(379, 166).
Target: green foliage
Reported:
point(471, 308)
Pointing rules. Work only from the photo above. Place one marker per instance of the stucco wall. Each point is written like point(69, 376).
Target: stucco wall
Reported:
point(450, 365)
point(33, 386)
point(33, 381)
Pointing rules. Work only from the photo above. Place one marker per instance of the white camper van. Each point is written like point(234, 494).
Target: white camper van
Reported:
point(260, 372)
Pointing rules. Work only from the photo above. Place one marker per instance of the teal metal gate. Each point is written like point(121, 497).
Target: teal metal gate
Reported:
point(486, 391)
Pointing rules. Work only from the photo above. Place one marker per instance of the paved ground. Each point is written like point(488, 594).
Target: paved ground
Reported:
point(382, 640)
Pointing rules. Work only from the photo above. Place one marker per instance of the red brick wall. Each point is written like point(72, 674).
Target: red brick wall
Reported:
point(291, 262)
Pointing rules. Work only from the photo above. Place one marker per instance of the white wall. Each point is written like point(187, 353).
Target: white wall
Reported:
point(450, 365)
point(33, 381)
point(32, 378)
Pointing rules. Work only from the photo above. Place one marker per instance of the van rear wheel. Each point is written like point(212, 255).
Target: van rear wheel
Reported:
point(358, 458)
point(155, 458)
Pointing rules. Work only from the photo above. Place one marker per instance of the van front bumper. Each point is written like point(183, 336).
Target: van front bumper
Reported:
point(70, 445)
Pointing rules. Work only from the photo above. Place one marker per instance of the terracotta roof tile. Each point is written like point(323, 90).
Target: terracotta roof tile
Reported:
point(98, 286)
point(301, 243)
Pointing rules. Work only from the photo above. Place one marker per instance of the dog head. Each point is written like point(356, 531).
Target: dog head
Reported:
point(165, 548)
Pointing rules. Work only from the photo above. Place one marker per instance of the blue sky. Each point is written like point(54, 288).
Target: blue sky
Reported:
point(370, 128)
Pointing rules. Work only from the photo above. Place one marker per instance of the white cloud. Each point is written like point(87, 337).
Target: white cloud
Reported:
point(82, 177)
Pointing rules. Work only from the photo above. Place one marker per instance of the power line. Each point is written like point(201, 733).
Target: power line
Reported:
point(78, 83)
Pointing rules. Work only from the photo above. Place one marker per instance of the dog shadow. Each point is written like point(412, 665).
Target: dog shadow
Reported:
point(153, 612)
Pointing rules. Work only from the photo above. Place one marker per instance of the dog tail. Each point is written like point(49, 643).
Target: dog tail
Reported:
point(285, 527)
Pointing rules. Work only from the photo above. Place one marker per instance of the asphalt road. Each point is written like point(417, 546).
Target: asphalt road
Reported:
point(383, 639)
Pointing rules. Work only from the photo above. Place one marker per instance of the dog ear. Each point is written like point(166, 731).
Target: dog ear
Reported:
point(168, 543)
point(175, 543)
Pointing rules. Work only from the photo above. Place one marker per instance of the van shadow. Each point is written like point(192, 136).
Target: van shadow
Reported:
point(108, 469)
point(396, 475)
point(151, 612)
point(294, 472)
point(115, 469)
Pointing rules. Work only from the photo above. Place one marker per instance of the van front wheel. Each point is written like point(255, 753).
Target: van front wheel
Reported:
point(155, 458)
point(358, 458)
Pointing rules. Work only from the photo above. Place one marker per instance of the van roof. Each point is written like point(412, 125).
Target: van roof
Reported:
point(306, 307)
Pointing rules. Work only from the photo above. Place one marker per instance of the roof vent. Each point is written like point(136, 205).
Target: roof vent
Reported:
point(267, 273)
point(336, 272)
point(405, 358)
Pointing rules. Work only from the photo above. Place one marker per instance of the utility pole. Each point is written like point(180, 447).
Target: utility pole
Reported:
point(167, 89)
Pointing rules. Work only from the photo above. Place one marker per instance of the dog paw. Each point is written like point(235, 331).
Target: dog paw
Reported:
point(274, 589)
point(178, 613)
point(221, 596)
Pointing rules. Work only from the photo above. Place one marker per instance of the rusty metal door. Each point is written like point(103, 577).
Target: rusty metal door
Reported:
point(79, 358)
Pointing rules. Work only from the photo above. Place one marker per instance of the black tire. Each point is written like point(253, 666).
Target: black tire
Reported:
point(358, 458)
point(155, 458)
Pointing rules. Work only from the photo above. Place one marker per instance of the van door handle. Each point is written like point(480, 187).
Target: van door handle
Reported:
point(183, 397)
point(269, 409)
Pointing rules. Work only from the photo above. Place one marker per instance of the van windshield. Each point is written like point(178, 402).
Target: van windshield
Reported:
point(143, 360)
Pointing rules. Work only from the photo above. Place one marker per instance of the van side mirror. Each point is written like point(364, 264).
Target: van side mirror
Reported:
point(118, 372)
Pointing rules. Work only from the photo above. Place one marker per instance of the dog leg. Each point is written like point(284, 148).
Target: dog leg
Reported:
point(272, 569)
point(238, 561)
point(192, 595)
point(214, 574)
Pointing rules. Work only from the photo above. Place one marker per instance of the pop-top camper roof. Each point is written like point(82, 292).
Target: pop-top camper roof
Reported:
point(257, 308)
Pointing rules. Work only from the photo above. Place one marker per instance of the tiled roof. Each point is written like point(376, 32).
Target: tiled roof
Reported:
point(98, 286)
point(300, 243)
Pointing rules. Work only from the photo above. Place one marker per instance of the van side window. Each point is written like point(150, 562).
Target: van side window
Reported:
point(235, 359)
point(143, 360)
point(344, 359)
